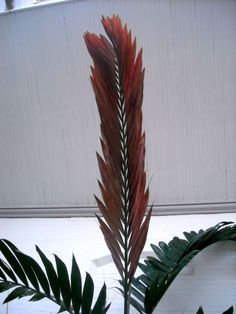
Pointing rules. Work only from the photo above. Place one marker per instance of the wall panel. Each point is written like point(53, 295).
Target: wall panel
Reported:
point(49, 127)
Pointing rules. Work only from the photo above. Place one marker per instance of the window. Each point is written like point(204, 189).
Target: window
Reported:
point(23, 4)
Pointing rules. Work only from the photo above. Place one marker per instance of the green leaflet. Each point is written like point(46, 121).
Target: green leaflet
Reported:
point(13, 262)
point(18, 292)
point(62, 309)
point(7, 270)
point(4, 286)
point(101, 301)
point(87, 294)
point(200, 311)
point(2, 275)
point(25, 264)
point(139, 286)
point(51, 274)
point(37, 297)
point(63, 280)
point(137, 294)
point(136, 305)
point(76, 286)
point(41, 276)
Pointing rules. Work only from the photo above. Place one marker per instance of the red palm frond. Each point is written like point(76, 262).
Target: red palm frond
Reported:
point(117, 79)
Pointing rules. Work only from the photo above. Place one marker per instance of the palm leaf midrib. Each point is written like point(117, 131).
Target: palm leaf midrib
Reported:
point(35, 291)
point(124, 170)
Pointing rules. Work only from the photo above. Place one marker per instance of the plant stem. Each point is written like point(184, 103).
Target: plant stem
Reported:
point(126, 264)
point(127, 303)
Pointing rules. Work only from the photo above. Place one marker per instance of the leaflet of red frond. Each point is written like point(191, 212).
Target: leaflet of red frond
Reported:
point(112, 245)
point(136, 250)
point(117, 78)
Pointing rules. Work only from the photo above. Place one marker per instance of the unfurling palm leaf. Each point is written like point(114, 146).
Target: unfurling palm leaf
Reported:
point(117, 79)
point(25, 276)
point(158, 273)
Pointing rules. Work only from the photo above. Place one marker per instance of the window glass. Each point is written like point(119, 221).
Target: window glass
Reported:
point(7, 5)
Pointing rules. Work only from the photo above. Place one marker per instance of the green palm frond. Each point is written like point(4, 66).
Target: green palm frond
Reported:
point(22, 275)
point(160, 271)
point(229, 311)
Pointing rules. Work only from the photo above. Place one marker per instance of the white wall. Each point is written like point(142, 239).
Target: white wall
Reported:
point(49, 128)
point(210, 281)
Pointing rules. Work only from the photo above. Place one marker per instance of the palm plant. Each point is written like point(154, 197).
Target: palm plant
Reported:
point(23, 275)
point(117, 79)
